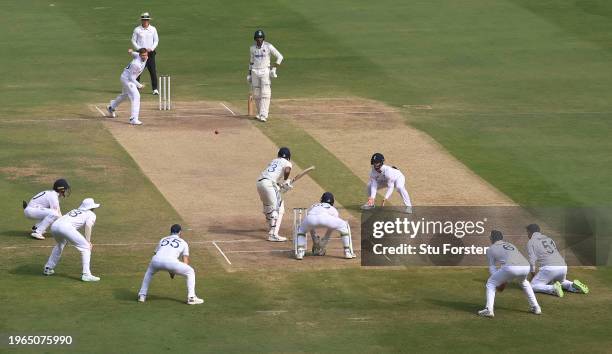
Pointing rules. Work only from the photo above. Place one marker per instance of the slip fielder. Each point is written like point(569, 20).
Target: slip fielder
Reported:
point(165, 257)
point(44, 207)
point(273, 181)
point(130, 85)
point(382, 176)
point(323, 215)
point(513, 266)
point(551, 277)
point(260, 73)
point(65, 230)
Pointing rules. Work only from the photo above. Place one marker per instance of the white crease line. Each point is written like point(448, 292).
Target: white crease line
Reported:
point(338, 113)
point(45, 120)
point(101, 113)
point(226, 107)
point(267, 251)
point(134, 244)
point(223, 254)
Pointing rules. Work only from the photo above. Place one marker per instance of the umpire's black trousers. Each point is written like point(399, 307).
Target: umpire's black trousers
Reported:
point(152, 70)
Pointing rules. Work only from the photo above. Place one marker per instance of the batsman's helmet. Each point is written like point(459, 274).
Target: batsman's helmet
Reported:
point(328, 198)
point(61, 186)
point(259, 34)
point(284, 152)
point(496, 236)
point(377, 158)
point(175, 229)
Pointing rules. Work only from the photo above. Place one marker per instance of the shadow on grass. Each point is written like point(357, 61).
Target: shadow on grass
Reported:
point(19, 234)
point(35, 270)
point(469, 307)
point(127, 295)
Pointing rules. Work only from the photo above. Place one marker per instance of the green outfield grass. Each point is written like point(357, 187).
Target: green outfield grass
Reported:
point(520, 93)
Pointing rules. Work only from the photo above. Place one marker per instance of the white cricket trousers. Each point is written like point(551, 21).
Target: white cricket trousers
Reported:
point(273, 205)
point(400, 186)
point(171, 265)
point(331, 223)
point(45, 217)
point(63, 233)
point(508, 273)
point(128, 90)
point(262, 90)
point(550, 274)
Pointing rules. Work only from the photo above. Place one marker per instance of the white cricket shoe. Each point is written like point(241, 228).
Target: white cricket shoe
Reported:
point(300, 253)
point(348, 254)
point(48, 271)
point(142, 298)
point(408, 210)
point(89, 277)
point(486, 313)
point(194, 300)
point(261, 117)
point(111, 112)
point(155, 92)
point(135, 121)
point(37, 236)
point(276, 238)
point(536, 310)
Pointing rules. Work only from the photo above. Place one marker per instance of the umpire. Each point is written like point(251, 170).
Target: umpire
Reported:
point(145, 36)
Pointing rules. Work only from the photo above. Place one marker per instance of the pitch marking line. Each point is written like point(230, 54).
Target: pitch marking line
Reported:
point(226, 107)
point(99, 110)
point(134, 244)
point(339, 113)
point(223, 254)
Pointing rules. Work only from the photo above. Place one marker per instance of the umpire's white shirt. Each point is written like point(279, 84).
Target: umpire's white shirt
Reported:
point(145, 37)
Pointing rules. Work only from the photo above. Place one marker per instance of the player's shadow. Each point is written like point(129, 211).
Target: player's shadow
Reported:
point(16, 234)
point(128, 295)
point(468, 307)
point(35, 270)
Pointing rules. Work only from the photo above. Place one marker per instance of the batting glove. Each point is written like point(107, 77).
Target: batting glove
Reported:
point(249, 79)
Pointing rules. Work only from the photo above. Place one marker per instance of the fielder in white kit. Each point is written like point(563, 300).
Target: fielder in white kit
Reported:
point(166, 257)
point(272, 182)
point(65, 230)
point(551, 277)
point(512, 266)
point(130, 85)
point(45, 207)
point(382, 176)
point(323, 215)
point(260, 73)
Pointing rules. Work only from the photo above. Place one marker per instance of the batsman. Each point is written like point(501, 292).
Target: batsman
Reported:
point(260, 73)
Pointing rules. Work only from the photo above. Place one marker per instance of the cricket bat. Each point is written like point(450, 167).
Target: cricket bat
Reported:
point(302, 174)
point(251, 105)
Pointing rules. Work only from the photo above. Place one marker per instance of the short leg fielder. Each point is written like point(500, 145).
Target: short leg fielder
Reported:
point(273, 207)
point(64, 233)
point(400, 185)
point(172, 266)
point(331, 223)
point(45, 217)
point(129, 90)
point(505, 274)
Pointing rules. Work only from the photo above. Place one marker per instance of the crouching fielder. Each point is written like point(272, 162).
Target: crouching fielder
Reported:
point(323, 215)
point(272, 181)
point(513, 266)
point(44, 207)
point(551, 278)
point(65, 230)
point(386, 176)
point(166, 255)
